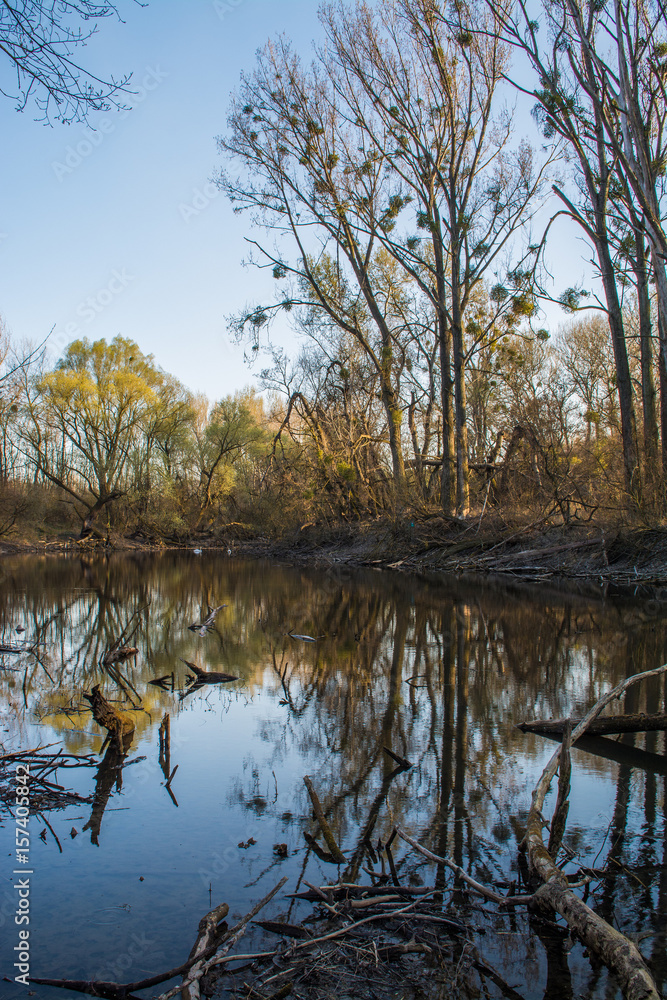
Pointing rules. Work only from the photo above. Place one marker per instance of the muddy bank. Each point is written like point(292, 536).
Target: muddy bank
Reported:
point(618, 556)
point(621, 557)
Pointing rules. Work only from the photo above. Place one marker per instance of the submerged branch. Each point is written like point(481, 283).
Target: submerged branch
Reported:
point(613, 948)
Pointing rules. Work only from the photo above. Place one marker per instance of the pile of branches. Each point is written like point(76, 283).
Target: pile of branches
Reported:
point(354, 937)
point(42, 766)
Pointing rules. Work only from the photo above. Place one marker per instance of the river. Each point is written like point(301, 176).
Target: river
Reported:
point(439, 671)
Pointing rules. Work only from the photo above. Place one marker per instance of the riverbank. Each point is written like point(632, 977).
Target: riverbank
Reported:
point(619, 555)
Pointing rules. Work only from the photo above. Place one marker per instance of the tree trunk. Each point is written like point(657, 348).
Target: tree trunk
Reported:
point(394, 420)
point(662, 377)
point(623, 379)
point(646, 352)
point(447, 477)
point(616, 951)
point(461, 419)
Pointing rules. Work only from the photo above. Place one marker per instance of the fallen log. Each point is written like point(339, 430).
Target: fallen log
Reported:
point(616, 951)
point(613, 724)
point(211, 931)
point(117, 724)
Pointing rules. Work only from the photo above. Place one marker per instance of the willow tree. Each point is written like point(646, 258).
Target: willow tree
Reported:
point(427, 94)
point(232, 430)
point(83, 419)
point(312, 177)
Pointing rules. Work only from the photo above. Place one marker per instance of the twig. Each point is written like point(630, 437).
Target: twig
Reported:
point(401, 761)
point(477, 886)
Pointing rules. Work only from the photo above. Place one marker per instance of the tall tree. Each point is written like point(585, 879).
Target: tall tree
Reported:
point(314, 177)
point(569, 107)
point(427, 93)
point(626, 83)
point(232, 429)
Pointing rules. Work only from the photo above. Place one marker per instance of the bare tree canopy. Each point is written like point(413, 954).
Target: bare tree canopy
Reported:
point(39, 38)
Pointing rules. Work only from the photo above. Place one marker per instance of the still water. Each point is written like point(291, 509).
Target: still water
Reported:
point(438, 671)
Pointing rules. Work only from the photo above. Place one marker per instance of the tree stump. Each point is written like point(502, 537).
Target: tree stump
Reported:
point(117, 724)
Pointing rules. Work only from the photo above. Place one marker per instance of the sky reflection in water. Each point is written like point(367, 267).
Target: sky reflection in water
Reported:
point(438, 672)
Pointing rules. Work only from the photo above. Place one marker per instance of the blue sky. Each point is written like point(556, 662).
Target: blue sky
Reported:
point(119, 230)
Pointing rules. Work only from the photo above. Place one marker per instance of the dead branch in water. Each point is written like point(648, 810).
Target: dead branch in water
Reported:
point(209, 676)
point(608, 726)
point(334, 849)
point(201, 628)
point(118, 653)
point(360, 927)
point(121, 649)
point(617, 952)
point(39, 763)
point(117, 724)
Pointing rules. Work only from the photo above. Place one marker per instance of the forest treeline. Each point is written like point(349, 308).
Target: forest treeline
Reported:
point(409, 223)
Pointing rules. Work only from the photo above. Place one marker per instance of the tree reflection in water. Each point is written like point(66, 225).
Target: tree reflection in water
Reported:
point(438, 671)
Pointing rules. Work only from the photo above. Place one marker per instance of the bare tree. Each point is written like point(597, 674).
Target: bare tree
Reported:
point(314, 177)
point(39, 38)
point(568, 106)
point(426, 92)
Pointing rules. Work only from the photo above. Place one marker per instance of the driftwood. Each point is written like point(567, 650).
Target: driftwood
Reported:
point(118, 724)
point(613, 948)
point(621, 753)
point(202, 677)
point(211, 932)
point(612, 724)
point(349, 915)
point(45, 794)
point(482, 890)
point(201, 628)
point(118, 653)
point(121, 649)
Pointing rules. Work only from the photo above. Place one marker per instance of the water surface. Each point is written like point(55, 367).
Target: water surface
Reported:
point(439, 671)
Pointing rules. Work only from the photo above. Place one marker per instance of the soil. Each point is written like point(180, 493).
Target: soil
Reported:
point(603, 556)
